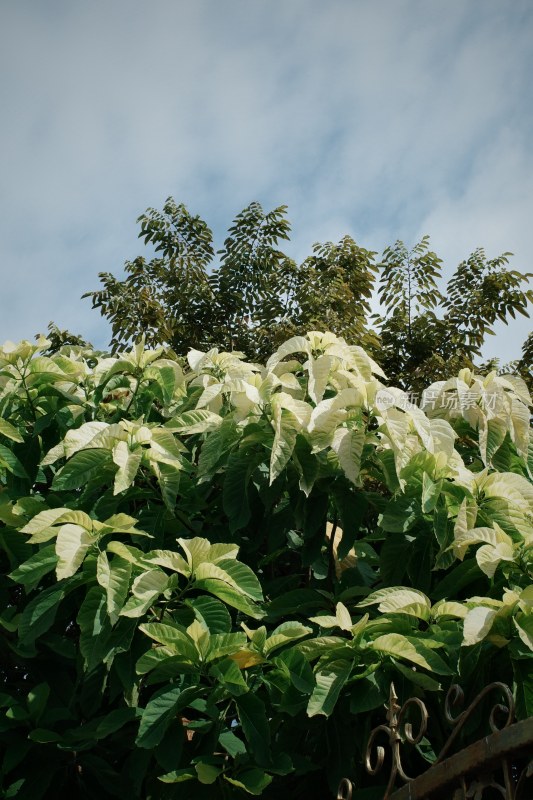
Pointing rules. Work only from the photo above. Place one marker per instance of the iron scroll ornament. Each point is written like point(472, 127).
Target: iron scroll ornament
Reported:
point(399, 732)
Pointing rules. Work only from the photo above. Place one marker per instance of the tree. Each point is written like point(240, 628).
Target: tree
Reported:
point(58, 339)
point(256, 296)
point(211, 570)
point(251, 301)
point(418, 343)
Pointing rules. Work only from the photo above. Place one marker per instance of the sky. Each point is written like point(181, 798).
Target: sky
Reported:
point(383, 119)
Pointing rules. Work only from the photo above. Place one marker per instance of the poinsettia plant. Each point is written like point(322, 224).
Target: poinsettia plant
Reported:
point(212, 570)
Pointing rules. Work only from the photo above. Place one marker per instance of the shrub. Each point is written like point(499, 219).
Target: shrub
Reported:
point(212, 569)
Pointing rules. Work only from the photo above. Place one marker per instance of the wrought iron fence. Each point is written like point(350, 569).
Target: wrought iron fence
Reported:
point(500, 765)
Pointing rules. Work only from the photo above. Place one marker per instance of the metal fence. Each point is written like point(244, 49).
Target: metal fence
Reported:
point(499, 765)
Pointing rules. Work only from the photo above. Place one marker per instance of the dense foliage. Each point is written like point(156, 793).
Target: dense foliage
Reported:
point(212, 569)
point(256, 296)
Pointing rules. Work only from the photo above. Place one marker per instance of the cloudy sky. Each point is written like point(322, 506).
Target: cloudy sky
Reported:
point(384, 119)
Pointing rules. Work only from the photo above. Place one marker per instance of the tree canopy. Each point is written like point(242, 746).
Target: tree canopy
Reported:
point(250, 296)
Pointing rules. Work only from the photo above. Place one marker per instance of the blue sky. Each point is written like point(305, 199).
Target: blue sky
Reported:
point(383, 119)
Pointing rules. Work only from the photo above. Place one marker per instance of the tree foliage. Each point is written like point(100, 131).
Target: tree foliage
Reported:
point(255, 296)
point(212, 569)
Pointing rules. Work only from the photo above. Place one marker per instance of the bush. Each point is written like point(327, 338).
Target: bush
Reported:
point(212, 570)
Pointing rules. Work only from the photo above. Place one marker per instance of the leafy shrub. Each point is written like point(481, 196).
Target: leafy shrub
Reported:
point(213, 569)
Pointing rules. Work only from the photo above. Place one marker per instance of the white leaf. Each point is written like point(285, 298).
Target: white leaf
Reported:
point(319, 370)
point(477, 625)
point(343, 617)
point(128, 463)
point(348, 445)
point(298, 344)
point(72, 543)
point(488, 557)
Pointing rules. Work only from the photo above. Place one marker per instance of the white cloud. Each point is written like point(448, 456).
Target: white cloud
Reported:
point(384, 120)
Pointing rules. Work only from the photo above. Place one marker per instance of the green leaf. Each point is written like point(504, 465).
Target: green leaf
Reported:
point(150, 584)
point(166, 379)
point(495, 435)
point(9, 430)
point(159, 713)
point(9, 460)
point(330, 679)
point(114, 721)
point(285, 633)
point(398, 646)
point(145, 589)
point(211, 612)
point(38, 616)
point(222, 644)
point(238, 471)
point(178, 775)
point(169, 559)
point(440, 524)
point(115, 578)
point(168, 477)
point(179, 642)
point(43, 370)
point(167, 664)
point(400, 599)
point(524, 626)
point(54, 516)
point(430, 493)
point(243, 578)
point(230, 676)
point(130, 554)
point(30, 572)
point(418, 678)
point(216, 445)
point(157, 716)
point(366, 695)
point(237, 575)
point(82, 467)
point(307, 464)
point(456, 580)
point(400, 515)
point(196, 550)
point(231, 597)
point(394, 558)
point(298, 669)
point(95, 627)
point(253, 718)
point(207, 773)
point(303, 599)
point(254, 781)
point(232, 744)
point(37, 700)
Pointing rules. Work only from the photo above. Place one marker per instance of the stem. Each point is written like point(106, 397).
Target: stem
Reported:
point(134, 394)
point(28, 396)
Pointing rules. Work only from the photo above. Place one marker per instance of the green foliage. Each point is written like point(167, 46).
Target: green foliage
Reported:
point(212, 569)
point(256, 297)
point(420, 344)
point(58, 339)
point(251, 301)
